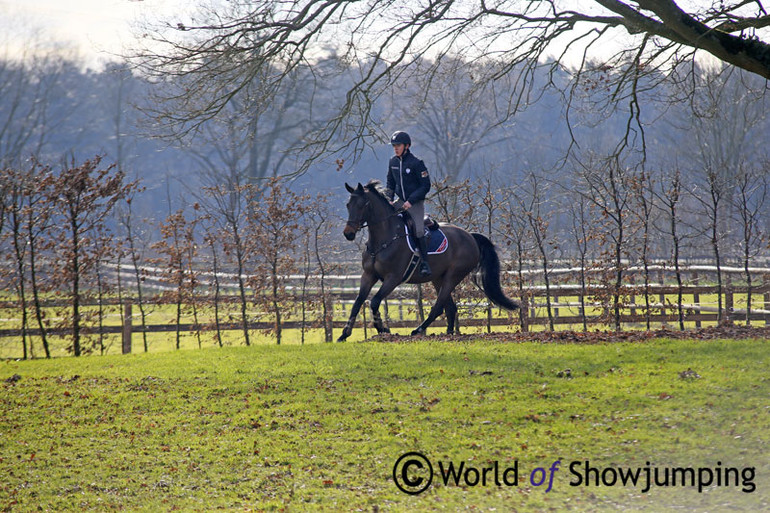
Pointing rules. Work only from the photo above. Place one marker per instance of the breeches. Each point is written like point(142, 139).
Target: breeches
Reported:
point(417, 211)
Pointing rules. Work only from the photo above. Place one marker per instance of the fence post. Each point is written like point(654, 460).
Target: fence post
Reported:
point(662, 297)
point(766, 306)
point(127, 327)
point(729, 299)
point(363, 314)
point(696, 298)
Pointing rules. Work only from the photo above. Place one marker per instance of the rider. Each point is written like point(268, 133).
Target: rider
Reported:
point(408, 178)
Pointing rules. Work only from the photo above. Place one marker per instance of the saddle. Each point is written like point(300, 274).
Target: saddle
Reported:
point(429, 225)
point(437, 241)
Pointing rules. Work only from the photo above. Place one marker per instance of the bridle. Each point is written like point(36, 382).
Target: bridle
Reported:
point(361, 224)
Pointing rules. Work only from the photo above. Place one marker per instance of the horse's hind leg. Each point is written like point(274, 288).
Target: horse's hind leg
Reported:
point(450, 309)
point(444, 296)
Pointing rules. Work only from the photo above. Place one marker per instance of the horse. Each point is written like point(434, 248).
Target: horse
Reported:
point(387, 256)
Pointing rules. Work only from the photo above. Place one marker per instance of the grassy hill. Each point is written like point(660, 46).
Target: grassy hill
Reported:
point(320, 427)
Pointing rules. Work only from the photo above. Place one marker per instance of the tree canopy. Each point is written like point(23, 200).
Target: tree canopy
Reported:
point(250, 47)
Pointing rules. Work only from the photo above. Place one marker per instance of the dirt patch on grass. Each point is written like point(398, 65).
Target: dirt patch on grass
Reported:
point(725, 331)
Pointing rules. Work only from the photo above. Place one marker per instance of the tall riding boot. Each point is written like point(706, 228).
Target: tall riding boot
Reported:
point(424, 267)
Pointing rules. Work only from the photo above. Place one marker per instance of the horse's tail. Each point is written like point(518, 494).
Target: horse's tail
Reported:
point(489, 264)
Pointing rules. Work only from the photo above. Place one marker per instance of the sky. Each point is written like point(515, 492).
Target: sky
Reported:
point(90, 30)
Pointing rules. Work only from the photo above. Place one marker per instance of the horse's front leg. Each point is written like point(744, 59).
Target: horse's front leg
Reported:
point(389, 284)
point(367, 282)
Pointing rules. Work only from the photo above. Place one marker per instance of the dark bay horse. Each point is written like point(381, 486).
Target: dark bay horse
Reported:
point(387, 256)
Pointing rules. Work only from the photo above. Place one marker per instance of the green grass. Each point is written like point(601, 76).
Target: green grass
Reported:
point(319, 427)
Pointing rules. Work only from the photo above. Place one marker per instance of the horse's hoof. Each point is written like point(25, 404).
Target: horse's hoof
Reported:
point(342, 338)
point(418, 331)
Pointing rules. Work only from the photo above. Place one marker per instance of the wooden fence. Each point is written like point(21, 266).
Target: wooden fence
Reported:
point(572, 306)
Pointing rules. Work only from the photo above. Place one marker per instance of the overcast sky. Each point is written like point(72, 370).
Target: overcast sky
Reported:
point(85, 29)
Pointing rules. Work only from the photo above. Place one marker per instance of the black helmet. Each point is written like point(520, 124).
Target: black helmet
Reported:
point(400, 138)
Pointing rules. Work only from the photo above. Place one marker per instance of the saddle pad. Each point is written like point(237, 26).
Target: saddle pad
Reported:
point(437, 241)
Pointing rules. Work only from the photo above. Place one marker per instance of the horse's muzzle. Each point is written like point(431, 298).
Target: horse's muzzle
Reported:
point(349, 232)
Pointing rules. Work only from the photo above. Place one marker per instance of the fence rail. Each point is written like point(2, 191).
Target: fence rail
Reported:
point(571, 305)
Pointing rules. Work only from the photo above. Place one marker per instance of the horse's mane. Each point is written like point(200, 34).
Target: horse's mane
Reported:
point(375, 187)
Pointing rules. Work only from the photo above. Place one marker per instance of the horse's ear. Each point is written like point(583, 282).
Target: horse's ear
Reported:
point(360, 188)
point(349, 188)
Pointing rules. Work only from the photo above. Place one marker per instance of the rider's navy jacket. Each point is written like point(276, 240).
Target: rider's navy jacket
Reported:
point(408, 178)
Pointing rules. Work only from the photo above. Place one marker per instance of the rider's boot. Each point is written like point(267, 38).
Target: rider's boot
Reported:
point(424, 267)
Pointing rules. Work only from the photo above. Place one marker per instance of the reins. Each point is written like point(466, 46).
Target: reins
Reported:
point(384, 245)
point(363, 224)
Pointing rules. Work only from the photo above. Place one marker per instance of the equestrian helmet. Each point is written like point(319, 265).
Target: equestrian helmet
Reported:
point(400, 138)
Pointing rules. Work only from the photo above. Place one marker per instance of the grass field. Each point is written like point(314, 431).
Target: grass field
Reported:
point(320, 427)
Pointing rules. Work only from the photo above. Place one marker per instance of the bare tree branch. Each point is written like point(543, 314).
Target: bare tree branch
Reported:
point(250, 48)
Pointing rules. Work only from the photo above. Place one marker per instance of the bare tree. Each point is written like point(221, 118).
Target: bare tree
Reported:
point(178, 251)
point(225, 49)
point(274, 219)
point(482, 203)
point(27, 89)
point(6, 184)
point(249, 136)
point(118, 102)
point(582, 232)
point(104, 250)
point(18, 186)
point(669, 200)
point(515, 233)
point(727, 109)
point(642, 199)
point(454, 114)
point(39, 213)
point(84, 196)
point(320, 215)
point(748, 206)
point(535, 208)
point(605, 184)
point(447, 198)
point(211, 240)
point(136, 241)
point(226, 208)
point(25, 211)
point(712, 195)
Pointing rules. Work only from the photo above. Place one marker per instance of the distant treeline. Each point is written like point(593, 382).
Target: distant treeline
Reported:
point(55, 112)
